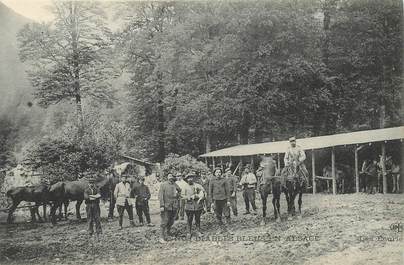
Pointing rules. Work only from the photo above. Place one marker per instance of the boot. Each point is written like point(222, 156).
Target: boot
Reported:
point(132, 223)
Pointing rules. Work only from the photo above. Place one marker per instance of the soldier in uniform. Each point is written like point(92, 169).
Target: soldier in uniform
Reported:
point(249, 184)
point(219, 192)
point(294, 158)
point(232, 182)
point(92, 200)
point(169, 194)
point(194, 195)
point(122, 196)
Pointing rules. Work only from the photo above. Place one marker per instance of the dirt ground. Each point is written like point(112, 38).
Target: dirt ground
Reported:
point(342, 229)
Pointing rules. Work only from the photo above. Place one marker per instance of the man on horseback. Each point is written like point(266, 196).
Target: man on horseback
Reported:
point(294, 161)
point(295, 173)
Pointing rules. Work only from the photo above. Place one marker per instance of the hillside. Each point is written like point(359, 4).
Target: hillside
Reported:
point(14, 85)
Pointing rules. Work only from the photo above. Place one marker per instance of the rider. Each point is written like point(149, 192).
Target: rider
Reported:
point(295, 157)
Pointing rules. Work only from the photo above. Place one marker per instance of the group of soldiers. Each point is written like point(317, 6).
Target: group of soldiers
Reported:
point(125, 196)
point(186, 194)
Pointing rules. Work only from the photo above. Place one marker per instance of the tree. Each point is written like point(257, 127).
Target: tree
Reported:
point(68, 56)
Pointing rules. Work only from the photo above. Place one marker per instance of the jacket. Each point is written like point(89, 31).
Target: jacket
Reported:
point(295, 154)
point(219, 189)
point(232, 182)
point(194, 194)
point(248, 180)
point(169, 195)
point(91, 191)
point(122, 193)
point(182, 184)
point(142, 194)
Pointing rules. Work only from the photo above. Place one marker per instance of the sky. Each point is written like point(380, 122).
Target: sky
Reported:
point(32, 9)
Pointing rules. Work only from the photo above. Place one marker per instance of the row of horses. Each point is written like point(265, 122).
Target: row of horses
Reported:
point(57, 195)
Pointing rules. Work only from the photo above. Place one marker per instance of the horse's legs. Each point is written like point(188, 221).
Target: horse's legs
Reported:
point(66, 204)
point(44, 212)
point(394, 183)
point(36, 212)
point(78, 204)
point(300, 202)
point(11, 211)
point(55, 205)
point(276, 193)
point(264, 197)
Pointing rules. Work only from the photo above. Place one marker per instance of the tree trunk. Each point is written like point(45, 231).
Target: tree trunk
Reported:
point(76, 68)
point(161, 128)
point(244, 128)
point(208, 144)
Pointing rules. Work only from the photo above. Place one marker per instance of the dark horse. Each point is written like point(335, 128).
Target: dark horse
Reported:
point(37, 194)
point(295, 184)
point(270, 181)
point(65, 191)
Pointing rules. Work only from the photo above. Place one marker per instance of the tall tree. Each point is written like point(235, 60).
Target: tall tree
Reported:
point(68, 56)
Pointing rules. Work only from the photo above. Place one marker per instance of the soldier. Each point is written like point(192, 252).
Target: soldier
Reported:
point(92, 200)
point(249, 184)
point(232, 182)
point(142, 194)
point(194, 195)
point(295, 157)
point(219, 193)
point(168, 196)
point(122, 196)
point(183, 185)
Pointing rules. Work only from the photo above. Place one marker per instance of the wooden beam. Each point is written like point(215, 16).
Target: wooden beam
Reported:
point(221, 162)
point(213, 163)
point(279, 161)
point(334, 181)
point(313, 170)
point(383, 164)
point(356, 170)
point(252, 163)
point(241, 166)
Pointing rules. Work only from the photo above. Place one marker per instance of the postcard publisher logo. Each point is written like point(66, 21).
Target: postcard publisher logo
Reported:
point(397, 227)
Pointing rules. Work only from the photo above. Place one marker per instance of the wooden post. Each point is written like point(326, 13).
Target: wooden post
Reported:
point(334, 182)
point(252, 163)
point(313, 170)
point(213, 163)
point(221, 162)
point(231, 162)
point(241, 166)
point(383, 164)
point(356, 170)
point(206, 161)
point(279, 161)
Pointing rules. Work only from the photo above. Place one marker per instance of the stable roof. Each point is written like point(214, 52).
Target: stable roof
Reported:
point(312, 142)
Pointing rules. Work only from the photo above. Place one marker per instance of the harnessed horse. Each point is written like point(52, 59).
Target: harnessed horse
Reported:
point(270, 181)
point(295, 177)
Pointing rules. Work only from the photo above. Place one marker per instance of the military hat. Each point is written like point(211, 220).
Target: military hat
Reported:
point(217, 168)
point(292, 139)
point(190, 175)
point(170, 176)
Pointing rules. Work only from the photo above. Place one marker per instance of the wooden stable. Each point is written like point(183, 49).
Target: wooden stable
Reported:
point(358, 139)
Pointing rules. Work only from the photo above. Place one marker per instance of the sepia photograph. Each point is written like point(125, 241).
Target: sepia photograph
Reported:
point(201, 132)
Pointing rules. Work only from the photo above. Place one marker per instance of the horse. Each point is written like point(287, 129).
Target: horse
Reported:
point(269, 181)
point(369, 176)
point(65, 191)
point(295, 179)
point(37, 194)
